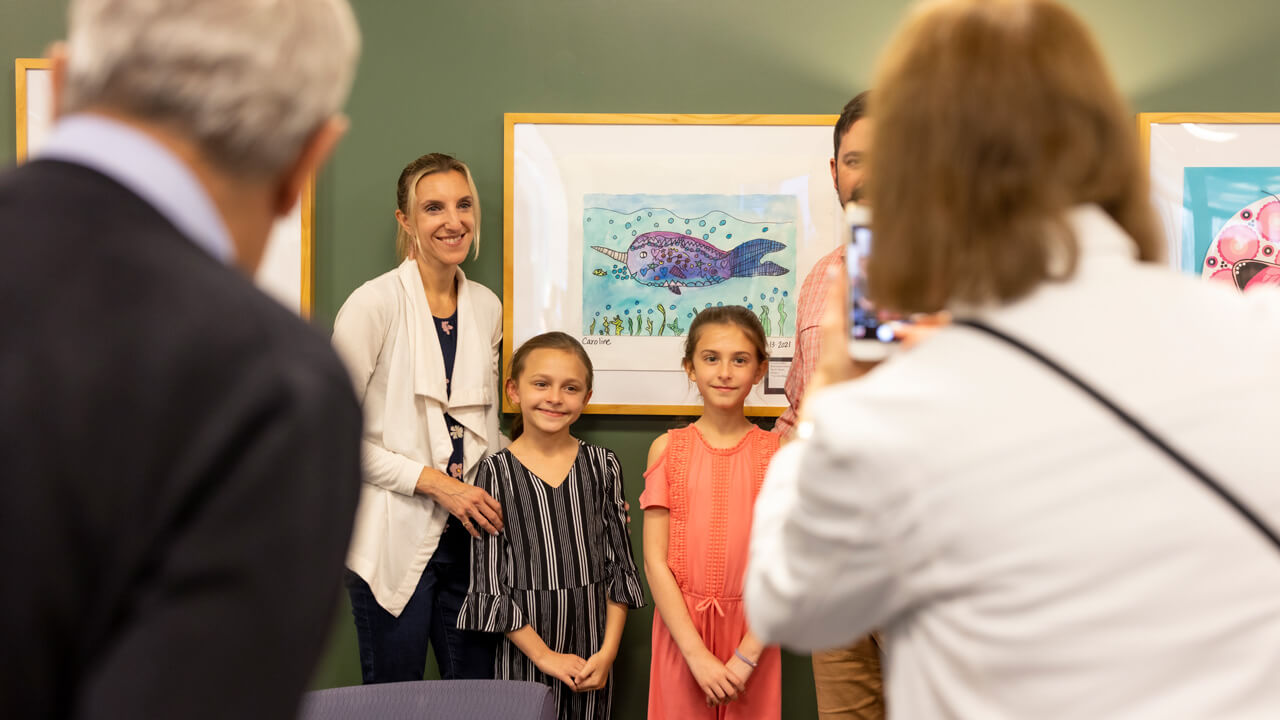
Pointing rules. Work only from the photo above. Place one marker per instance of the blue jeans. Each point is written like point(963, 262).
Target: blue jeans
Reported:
point(394, 649)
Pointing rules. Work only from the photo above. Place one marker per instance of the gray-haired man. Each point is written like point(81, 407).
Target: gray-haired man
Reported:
point(179, 458)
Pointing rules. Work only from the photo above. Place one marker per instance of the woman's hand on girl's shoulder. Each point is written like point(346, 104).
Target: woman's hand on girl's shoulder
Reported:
point(470, 504)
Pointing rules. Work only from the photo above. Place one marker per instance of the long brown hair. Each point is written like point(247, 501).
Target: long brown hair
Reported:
point(406, 189)
point(554, 340)
point(993, 118)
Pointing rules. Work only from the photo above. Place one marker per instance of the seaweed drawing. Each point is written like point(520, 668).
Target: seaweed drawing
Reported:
point(662, 325)
point(649, 325)
point(617, 324)
point(782, 315)
point(764, 320)
point(592, 331)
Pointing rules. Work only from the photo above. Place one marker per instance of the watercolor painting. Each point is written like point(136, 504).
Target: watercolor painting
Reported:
point(651, 262)
point(1231, 231)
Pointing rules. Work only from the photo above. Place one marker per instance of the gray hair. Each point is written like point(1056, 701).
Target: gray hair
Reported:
point(248, 81)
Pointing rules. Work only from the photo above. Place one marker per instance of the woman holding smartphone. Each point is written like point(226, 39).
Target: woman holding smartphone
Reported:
point(421, 343)
point(1061, 504)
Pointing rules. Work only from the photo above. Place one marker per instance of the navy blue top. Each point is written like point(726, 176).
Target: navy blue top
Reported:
point(447, 332)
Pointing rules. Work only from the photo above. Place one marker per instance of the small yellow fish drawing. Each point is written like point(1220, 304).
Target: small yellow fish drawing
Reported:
point(598, 272)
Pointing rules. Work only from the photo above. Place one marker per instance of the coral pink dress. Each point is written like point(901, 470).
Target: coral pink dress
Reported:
point(710, 493)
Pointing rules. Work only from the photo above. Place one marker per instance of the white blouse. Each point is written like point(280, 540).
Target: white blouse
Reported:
point(1025, 554)
point(385, 335)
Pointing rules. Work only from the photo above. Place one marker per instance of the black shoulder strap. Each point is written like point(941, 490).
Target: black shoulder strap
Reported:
point(1132, 422)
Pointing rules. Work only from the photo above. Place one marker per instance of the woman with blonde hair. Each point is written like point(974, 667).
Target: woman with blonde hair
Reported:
point(421, 343)
point(1063, 504)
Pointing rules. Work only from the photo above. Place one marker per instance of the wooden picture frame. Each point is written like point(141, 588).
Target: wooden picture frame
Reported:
point(748, 199)
point(287, 270)
point(1215, 184)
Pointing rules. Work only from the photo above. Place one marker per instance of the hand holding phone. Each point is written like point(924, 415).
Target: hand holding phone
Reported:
point(873, 334)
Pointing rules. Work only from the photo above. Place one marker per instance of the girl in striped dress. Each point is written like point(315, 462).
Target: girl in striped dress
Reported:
point(559, 578)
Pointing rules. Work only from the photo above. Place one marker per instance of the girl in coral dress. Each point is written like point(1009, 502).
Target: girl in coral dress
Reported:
point(700, 489)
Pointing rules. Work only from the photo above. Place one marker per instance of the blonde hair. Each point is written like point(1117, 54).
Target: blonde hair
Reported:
point(430, 164)
point(993, 118)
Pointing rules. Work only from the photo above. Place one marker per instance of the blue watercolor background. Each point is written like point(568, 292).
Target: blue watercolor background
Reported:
point(615, 304)
point(1210, 197)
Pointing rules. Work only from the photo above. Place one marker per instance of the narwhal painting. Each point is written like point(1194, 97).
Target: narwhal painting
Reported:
point(673, 260)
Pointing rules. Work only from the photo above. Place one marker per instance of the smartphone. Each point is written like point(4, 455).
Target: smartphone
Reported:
point(873, 335)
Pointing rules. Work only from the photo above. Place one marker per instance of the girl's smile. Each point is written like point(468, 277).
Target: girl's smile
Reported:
point(725, 365)
point(551, 389)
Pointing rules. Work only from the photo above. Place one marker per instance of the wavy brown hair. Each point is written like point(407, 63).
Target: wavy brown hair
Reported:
point(993, 118)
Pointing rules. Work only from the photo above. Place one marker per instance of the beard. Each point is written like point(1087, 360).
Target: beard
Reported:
point(855, 195)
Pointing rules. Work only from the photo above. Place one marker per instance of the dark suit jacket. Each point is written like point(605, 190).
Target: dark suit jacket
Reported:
point(179, 467)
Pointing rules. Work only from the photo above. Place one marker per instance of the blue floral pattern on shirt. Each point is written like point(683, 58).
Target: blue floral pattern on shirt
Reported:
point(445, 328)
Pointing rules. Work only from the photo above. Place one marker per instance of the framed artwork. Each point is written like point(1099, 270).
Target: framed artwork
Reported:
point(620, 228)
point(1216, 187)
point(287, 266)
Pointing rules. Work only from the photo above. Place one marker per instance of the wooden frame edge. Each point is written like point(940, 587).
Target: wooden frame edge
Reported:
point(20, 68)
point(668, 410)
point(511, 119)
point(508, 251)
point(1147, 119)
point(306, 303)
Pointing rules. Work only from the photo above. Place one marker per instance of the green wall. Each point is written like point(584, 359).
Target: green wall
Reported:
point(437, 76)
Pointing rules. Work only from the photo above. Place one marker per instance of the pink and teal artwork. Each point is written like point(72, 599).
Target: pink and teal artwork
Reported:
point(651, 262)
point(1232, 228)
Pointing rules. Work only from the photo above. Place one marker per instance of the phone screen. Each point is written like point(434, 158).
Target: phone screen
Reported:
point(868, 327)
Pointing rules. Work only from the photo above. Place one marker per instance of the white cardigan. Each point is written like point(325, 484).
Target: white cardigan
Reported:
point(385, 335)
point(1025, 553)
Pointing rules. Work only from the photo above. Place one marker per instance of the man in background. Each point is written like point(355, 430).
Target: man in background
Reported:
point(179, 458)
point(848, 680)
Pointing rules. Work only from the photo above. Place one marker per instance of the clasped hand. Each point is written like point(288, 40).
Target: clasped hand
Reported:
point(580, 675)
point(594, 674)
point(718, 681)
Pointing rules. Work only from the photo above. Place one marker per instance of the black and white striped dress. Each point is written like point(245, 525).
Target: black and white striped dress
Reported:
point(562, 554)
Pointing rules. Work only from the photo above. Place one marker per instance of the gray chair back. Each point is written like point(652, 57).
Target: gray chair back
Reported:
point(432, 700)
